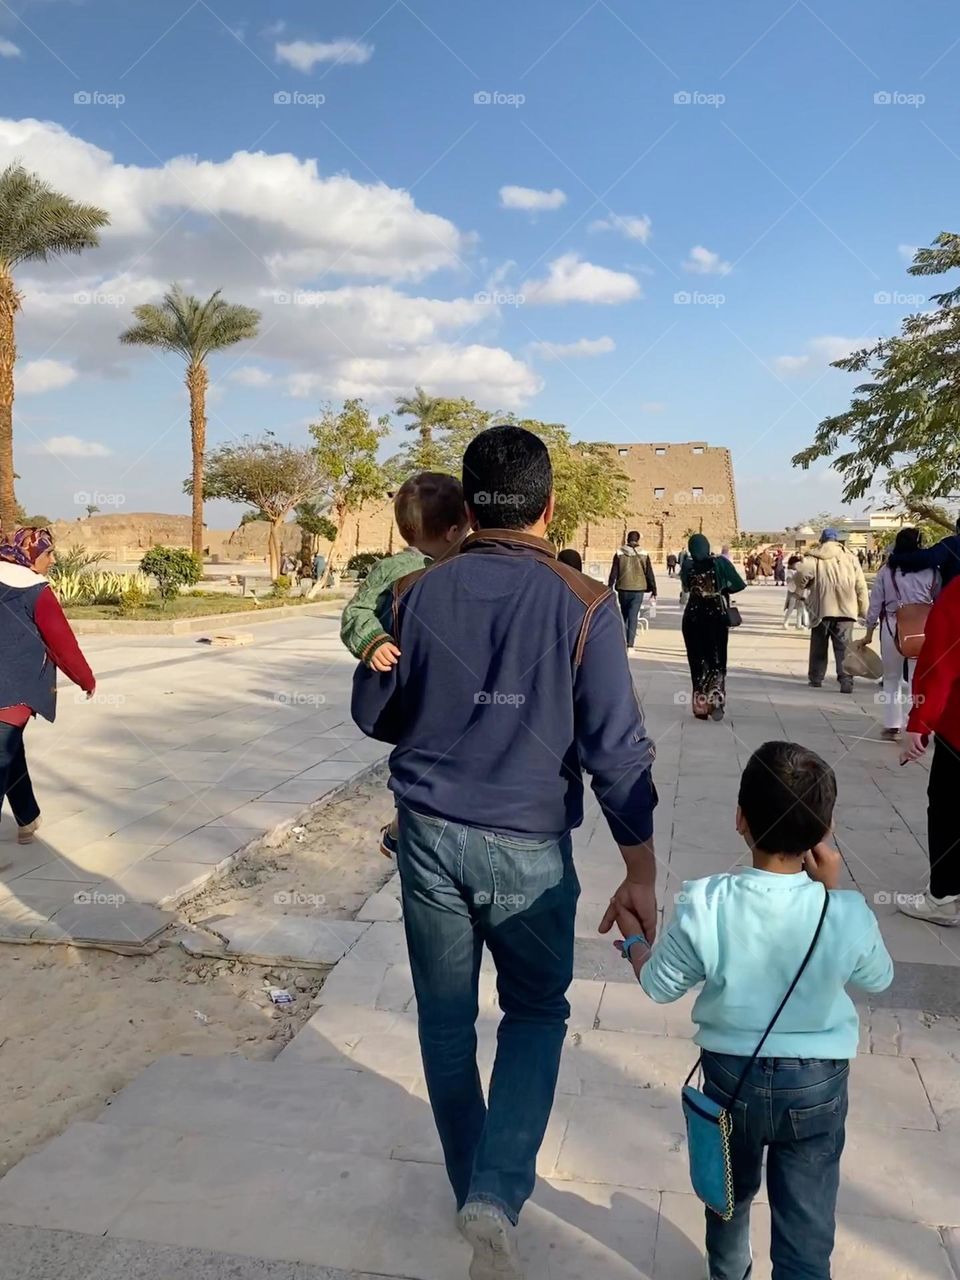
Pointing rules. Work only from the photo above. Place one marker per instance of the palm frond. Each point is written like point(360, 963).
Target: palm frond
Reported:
point(191, 326)
point(38, 223)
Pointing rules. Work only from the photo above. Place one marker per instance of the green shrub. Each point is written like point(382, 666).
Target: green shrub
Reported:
point(282, 585)
point(75, 560)
point(363, 562)
point(173, 568)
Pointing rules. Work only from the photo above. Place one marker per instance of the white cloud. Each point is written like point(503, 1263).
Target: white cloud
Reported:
point(73, 447)
point(531, 200)
point(570, 280)
point(250, 376)
point(629, 225)
point(907, 251)
point(10, 50)
point(820, 352)
point(281, 213)
point(304, 55)
point(43, 375)
point(568, 350)
point(704, 262)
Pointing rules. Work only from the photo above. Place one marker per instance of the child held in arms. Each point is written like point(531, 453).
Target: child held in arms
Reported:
point(744, 936)
point(431, 516)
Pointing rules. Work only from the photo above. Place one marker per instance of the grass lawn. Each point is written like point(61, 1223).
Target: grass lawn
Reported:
point(185, 607)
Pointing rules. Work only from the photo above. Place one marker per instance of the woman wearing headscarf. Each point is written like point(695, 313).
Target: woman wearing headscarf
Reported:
point(35, 639)
point(708, 582)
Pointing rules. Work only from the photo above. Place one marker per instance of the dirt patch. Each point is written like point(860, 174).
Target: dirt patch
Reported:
point(77, 1025)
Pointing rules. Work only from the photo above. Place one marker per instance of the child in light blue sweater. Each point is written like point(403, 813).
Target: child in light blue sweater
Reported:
point(744, 936)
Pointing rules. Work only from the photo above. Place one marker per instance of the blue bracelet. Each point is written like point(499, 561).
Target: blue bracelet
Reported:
point(628, 943)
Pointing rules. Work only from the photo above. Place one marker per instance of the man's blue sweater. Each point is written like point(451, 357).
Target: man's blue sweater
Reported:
point(513, 677)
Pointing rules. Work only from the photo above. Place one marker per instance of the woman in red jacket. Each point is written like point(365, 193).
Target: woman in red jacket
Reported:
point(936, 711)
point(35, 639)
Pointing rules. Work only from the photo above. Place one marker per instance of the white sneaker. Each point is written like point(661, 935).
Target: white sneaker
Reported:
point(493, 1238)
point(25, 834)
point(944, 911)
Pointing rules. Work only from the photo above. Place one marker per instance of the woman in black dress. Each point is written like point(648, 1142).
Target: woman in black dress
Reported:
point(708, 582)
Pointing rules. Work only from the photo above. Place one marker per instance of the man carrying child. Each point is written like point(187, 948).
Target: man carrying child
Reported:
point(510, 675)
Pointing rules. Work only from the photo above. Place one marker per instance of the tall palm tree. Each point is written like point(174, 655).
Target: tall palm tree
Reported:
point(428, 413)
point(193, 329)
point(36, 224)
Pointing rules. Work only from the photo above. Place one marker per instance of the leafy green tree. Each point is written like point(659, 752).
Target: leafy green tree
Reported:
point(347, 443)
point(902, 424)
point(36, 224)
point(427, 414)
point(269, 476)
point(173, 568)
point(446, 426)
point(824, 520)
point(193, 329)
point(314, 524)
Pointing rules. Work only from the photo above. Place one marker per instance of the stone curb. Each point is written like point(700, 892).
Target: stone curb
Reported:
point(204, 622)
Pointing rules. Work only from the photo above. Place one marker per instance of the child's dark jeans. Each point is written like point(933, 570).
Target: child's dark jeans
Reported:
point(796, 1109)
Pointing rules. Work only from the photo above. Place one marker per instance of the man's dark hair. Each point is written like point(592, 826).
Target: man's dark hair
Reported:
point(787, 795)
point(908, 540)
point(507, 477)
point(957, 525)
point(572, 557)
point(427, 505)
point(633, 536)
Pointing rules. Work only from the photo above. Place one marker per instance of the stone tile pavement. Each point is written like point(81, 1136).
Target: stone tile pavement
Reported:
point(186, 755)
point(327, 1157)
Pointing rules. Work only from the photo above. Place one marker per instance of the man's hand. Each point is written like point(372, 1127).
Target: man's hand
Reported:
point(385, 657)
point(825, 864)
point(634, 903)
point(915, 748)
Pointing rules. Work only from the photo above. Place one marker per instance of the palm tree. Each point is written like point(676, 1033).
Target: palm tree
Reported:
point(36, 224)
point(428, 413)
point(193, 329)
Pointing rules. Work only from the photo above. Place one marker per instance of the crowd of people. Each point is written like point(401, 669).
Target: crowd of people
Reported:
point(499, 673)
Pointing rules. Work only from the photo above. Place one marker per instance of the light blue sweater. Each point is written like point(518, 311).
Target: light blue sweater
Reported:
point(744, 936)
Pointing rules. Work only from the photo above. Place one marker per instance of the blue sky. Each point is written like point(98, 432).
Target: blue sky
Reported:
point(532, 251)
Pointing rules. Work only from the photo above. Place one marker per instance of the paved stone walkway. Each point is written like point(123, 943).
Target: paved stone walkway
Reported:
point(327, 1157)
point(186, 754)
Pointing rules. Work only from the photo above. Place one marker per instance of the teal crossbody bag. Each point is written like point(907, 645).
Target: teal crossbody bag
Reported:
point(710, 1126)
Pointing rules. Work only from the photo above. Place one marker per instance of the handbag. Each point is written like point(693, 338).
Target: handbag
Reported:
point(861, 660)
point(710, 1126)
point(734, 617)
point(910, 623)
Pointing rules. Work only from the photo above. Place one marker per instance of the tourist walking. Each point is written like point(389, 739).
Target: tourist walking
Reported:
point(671, 565)
point(765, 565)
point(779, 568)
point(632, 575)
point(709, 582)
point(795, 604)
point(35, 640)
point(837, 595)
point(892, 588)
point(772, 948)
point(935, 712)
point(512, 676)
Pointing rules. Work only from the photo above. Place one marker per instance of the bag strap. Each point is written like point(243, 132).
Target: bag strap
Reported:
point(780, 1008)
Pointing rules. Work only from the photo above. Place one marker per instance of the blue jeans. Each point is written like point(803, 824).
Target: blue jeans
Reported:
point(15, 778)
point(463, 887)
point(631, 602)
point(796, 1108)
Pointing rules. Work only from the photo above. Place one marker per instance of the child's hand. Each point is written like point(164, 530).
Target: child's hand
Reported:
point(629, 924)
point(385, 657)
point(825, 864)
